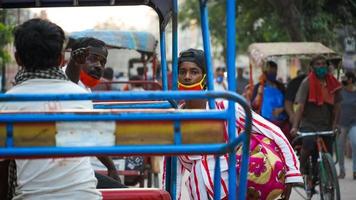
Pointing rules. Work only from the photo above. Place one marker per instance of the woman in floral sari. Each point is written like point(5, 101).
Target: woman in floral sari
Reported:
point(273, 164)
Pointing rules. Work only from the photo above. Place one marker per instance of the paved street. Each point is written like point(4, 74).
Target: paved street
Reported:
point(347, 185)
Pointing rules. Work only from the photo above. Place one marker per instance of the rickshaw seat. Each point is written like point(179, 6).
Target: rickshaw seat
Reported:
point(135, 194)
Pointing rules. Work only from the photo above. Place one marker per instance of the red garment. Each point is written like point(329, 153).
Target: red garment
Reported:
point(315, 88)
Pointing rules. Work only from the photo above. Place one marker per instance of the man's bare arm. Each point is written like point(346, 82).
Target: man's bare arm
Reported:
point(297, 118)
point(288, 106)
point(109, 164)
point(77, 59)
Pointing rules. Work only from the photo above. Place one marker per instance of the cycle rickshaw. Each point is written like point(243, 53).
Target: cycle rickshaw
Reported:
point(172, 132)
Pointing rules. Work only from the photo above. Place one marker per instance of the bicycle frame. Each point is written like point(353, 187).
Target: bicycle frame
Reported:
point(321, 149)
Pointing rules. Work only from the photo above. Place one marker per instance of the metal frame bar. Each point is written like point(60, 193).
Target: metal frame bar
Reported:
point(230, 56)
point(163, 59)
point(183, 149)
point(206, 42)
point(175, 45)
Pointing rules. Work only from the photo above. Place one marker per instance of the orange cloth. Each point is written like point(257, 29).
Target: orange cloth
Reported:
point(257, 102)
point(319, 95)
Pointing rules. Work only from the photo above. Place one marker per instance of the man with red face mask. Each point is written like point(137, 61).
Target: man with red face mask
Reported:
point(270, 149)
point(87, 62)
point(86, 67)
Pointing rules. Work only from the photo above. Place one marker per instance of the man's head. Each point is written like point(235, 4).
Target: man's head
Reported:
point(39, 44)
point(220, 74)
point(319, 65)
point(191, 70)
point(240, 72)
point(95, 61)
point(271, 70)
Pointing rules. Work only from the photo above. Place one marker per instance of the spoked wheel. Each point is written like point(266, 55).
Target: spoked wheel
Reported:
point(329, 183)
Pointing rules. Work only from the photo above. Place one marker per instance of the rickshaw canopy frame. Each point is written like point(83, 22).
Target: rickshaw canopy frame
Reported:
point(162, 7)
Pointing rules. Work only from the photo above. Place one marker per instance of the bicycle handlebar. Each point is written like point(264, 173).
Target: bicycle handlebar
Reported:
point(312, 133)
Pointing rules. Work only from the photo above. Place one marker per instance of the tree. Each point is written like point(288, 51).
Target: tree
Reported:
point(276, 20)
point(5, 38)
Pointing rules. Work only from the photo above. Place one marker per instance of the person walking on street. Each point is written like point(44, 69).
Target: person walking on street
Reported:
point(348, 122)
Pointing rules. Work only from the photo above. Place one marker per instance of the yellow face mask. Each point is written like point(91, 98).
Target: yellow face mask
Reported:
point(197, 86)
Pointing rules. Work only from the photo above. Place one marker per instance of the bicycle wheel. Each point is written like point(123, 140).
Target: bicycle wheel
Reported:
point(329, 183)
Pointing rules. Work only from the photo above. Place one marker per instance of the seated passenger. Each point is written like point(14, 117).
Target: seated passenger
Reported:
point(87, 62)
point(273, 164)
point(39, 53)
point(86, 67)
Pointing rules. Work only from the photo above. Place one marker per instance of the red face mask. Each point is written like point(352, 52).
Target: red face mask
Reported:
point(87, 80)
point(197, 86)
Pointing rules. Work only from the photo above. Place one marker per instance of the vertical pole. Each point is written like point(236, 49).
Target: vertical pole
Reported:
point(175, 45)
point(174, 160)
point(206, 43)
point(163, 59)
point(231, 51)
point(217, 178)
point(168, 177)
point(9, 135)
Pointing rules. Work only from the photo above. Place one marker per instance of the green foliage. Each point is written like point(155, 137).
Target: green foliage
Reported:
point(275, 20)
point(5, 38)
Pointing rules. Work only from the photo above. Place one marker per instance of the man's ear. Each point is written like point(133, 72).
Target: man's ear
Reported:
point(18, 60)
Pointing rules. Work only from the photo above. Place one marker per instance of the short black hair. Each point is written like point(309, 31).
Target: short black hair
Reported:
point(271, 63)
point(318, 57)
point(39, 44)
point(350, 75)
point(193, 55)
point(85, 42)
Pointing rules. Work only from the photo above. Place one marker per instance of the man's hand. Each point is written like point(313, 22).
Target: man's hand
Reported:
point(293, 132)
point(286, 193)
point(79, 56)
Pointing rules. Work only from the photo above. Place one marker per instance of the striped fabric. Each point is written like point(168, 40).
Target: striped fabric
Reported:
point(285, 165)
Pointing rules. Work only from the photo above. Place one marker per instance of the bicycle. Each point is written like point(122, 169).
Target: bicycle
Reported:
point(326, 175)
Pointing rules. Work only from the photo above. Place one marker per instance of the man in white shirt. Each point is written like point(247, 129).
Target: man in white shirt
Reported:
point(39, 53)
point(220, 83)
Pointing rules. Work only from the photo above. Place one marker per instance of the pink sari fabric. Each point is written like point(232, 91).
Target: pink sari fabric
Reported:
point(266, 169)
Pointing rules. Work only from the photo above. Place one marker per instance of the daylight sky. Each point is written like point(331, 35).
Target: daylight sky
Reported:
point(76, 19)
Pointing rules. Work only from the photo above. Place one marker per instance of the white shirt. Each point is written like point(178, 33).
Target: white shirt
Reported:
point(60, 178)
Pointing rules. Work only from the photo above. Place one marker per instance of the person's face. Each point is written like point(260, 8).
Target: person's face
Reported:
point(240, 72)
point(94, 65)
point(220, 72)
point(189, 73)
point(320, 68)
point(272, 70)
